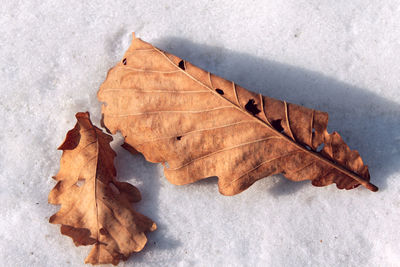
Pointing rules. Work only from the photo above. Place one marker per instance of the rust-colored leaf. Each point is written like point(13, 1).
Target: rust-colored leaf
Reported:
point(96, 209)
point(203, 125)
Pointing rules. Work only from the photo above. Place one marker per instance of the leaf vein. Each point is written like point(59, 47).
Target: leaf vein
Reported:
point(262, 163)
point(287, 121)
point(155, 91)
point(146, 70)
point(168, 111)
point(223, 150)
point(195, 131)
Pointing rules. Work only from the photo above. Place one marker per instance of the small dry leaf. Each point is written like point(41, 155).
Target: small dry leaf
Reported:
point(96, 209)
point(203, 125)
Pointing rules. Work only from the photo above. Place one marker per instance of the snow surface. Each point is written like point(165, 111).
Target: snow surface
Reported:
point(337, 56)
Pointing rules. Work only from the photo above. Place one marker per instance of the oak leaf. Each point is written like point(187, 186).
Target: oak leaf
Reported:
point(95, 207)
point(203, 125)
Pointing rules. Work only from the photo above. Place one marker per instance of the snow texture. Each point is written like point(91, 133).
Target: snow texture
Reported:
point(337, 56)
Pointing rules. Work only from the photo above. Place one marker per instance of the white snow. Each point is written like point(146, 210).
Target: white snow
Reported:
point(337, 56)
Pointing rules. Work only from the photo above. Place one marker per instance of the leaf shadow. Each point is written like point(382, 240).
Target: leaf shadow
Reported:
point(367, 122)
point(286, 187)
point(145, 176)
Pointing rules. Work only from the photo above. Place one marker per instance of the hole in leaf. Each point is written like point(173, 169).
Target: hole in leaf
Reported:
point(252, 107)
point(103, 231)
point(166, 165)
point(219, 91)
point(124, 61)
point(179, 137)
point(313, 130)
point(114, 188)
point(320, 147)
point(181, 64)
point(80, 183)
point(277, 125)
point(308, 148)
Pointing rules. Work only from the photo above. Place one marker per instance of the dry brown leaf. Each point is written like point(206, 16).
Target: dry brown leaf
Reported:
point(96, 209)
point(203, 125)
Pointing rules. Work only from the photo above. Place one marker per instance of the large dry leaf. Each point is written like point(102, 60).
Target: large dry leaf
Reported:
point(95, 207)
point(203, 125)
